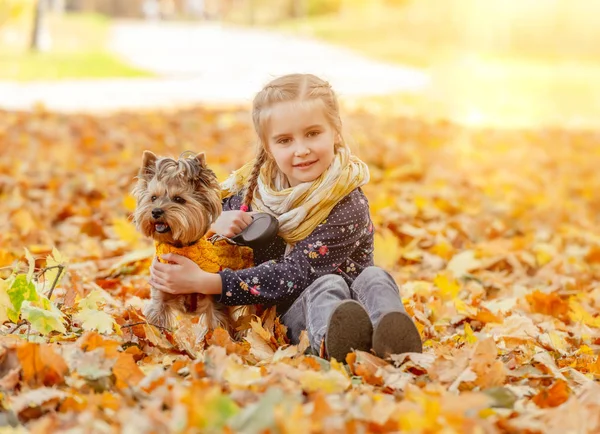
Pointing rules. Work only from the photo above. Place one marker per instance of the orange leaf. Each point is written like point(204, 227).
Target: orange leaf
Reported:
point(365, 365)
point(554, 396)
point(221, 338)
point(92, 340)
point(126, 371)
point(41, 365)
point(548, 304)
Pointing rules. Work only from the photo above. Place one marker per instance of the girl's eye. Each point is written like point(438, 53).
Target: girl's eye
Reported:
point(179, 199)
point(313, 133)
point(153, 198)
point(283, 141)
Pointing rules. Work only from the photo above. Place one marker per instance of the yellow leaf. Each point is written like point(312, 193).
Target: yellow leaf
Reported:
point(92, 319)
point(5, 303)
point(463, 262)
point(331, 381)
point(387, 251)
point(126, 231)
point(129, 203)
point(580, 315)
point(23, 221)
point(55, 259)
point(92, 301)
point(31, 263)
point(469, 335)
point(449, 288)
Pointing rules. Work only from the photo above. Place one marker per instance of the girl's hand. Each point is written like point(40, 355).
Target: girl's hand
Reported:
point(231, 223)
point(184, 276)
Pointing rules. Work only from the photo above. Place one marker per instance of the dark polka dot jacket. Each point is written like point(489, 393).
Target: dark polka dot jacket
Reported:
point(342, 244)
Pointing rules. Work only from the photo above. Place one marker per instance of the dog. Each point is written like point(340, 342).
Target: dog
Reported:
point(176, 203)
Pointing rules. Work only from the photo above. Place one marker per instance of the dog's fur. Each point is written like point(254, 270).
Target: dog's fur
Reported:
point(177, 201)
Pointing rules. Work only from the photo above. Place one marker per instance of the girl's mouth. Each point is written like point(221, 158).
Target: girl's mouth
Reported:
point(305, 165)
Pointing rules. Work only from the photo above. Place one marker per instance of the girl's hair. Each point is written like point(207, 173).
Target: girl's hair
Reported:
point(301, 88)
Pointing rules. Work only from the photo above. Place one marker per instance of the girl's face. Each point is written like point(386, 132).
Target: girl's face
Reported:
point(301, 141)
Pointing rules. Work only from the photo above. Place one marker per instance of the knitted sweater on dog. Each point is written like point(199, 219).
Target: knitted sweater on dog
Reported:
point(211, 257)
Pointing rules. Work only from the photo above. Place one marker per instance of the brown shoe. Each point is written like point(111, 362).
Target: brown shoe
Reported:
point(396, 333)
point(349, 329)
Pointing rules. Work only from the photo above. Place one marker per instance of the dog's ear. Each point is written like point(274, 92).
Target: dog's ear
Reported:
point(201, 158)
point(148, 165)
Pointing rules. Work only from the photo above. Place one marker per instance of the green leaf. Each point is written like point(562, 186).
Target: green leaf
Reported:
point(21, 290)
point(220, 411)
point(44, 321)
point(92, 319)
point(259, 417)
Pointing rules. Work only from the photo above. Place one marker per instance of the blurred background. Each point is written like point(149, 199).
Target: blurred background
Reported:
point(498, 62)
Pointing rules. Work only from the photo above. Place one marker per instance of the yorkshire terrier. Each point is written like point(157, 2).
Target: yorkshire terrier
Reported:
point(177, 201)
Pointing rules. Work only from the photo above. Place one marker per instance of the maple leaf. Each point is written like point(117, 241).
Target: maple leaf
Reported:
point(554, 396)
point(92, 319)
point(43, 320)
point(41, 365)
point(126, 371)
point(387, 250)
point(5, 302)
point(449, 288)
point(20, 290)
point(55, 267)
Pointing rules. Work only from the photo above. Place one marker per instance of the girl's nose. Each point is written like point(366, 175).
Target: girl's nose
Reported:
point(302, 150)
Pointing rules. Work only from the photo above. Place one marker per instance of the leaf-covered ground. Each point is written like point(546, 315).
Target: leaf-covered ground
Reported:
point(492, 236)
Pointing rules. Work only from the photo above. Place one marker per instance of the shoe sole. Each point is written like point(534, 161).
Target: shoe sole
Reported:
point(349, 329)
point(396, 333)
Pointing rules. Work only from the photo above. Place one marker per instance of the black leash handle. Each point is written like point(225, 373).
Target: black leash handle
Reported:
point(260, 232)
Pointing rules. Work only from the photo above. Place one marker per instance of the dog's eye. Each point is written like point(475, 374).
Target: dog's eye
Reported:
point(153, 198)
point(178, 199)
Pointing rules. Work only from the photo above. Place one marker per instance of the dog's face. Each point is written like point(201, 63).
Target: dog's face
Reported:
point(177, 200)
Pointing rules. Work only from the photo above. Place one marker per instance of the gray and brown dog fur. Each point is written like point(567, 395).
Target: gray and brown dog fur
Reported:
point(177, 201)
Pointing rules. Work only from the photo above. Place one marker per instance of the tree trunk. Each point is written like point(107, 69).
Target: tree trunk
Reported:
point(296, 9)
point(36, 32)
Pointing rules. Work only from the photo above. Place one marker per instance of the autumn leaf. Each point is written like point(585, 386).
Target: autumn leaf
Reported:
point(89, 341)
point(126, 231)
point(92, 319)
point(55, 267)
point(43, 320)
point(554, 396)
point(496, 265)
point(126, 371)
point(387, 250)
point(548, 304)
point(5, 302)
point(41, 365)
point(449, 288)
point(21, 290)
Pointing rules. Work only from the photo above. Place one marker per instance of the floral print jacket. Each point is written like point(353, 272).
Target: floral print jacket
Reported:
point(342, 244)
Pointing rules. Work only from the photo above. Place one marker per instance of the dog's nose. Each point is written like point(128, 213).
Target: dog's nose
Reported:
point(157, 212)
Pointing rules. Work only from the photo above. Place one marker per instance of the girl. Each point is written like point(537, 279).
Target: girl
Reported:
point(319, 269)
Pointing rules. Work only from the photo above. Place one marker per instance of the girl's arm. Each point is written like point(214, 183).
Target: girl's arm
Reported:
point(322, 252)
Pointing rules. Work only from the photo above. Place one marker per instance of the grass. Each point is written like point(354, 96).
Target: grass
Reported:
point(78, 50)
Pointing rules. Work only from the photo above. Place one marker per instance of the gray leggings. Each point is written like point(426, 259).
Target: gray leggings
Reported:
point(374, 288)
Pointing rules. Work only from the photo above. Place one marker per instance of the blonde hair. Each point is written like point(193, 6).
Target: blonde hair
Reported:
point(300, 88)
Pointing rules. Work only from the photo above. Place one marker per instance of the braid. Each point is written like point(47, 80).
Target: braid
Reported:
point(253, 181)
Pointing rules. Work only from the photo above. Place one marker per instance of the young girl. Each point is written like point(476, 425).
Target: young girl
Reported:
point(319, 269)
